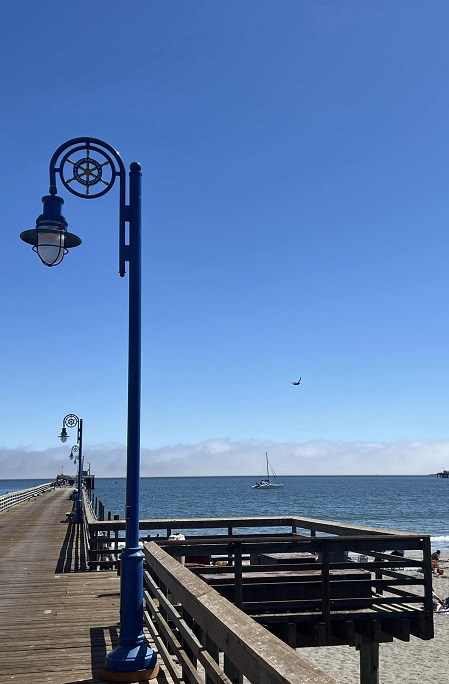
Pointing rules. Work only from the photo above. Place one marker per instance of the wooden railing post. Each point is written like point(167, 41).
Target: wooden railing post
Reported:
point(238, 599)
point(191, 656)
point(116, 540)
point(212, 649)
point(325, 589)
point(369, 663)
point(428, 593)
point(231, 671)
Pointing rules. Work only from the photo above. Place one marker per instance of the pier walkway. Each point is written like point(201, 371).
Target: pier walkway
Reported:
point(57, 623)
point(210, 623)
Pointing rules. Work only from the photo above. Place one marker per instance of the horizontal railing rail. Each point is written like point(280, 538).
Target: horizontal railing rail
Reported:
point(13, 498)
point(247, 525)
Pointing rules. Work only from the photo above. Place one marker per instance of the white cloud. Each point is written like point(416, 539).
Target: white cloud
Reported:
point(228, 457)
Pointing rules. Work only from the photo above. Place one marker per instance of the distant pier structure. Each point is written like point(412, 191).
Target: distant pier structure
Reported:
point(445, 474)
point(89, 480)
point(70, 481)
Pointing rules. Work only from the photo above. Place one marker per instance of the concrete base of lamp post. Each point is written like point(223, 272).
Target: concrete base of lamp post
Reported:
point(139, 676)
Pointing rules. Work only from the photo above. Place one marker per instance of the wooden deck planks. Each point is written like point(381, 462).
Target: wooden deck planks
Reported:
point(57, 622)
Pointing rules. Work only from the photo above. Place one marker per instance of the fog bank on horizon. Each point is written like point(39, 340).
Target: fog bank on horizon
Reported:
point(220, 457)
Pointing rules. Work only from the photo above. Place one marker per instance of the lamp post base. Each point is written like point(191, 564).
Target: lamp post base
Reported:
point(135, 664)
point(138, 676)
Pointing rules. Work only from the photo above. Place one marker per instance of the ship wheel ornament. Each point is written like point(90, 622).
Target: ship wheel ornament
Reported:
point(91, 168)
point(71, 420)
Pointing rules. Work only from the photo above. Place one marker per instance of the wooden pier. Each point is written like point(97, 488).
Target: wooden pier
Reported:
point(59, 617)
point(306, 582)
point(57, 620)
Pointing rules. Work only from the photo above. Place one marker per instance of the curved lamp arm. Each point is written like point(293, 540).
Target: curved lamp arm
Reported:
point(70, 421)
point(87, 168)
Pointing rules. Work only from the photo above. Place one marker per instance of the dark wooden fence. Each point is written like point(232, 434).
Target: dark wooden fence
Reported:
point(203, 639)
point(305, 582)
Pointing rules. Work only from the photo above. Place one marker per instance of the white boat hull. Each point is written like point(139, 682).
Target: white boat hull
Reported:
point(267, 486)
point(267, 483)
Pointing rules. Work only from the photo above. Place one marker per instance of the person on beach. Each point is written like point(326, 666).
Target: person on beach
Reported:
point(439, 605)
point(435, 558)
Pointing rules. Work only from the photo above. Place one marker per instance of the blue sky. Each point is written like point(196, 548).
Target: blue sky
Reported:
point(295, 223)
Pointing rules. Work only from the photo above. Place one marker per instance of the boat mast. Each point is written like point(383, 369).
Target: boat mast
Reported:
point(268, 473)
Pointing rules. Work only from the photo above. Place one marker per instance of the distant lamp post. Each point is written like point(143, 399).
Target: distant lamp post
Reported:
point(92, 166)
point(74, 456)
point(73, 421)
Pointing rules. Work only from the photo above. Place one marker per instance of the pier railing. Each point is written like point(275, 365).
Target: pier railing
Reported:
point(203, 639)
point(14, 498)
point(327, 573)
point(315, 591)
point(306, 582)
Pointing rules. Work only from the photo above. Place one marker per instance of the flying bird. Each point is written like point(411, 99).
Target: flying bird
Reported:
point(297, 383)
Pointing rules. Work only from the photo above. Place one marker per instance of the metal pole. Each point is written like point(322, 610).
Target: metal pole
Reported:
point(79, 508)
point(133, 652)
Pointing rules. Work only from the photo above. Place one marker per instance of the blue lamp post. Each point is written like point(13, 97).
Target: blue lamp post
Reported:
point(88, 168)
point(73, 421)
point(74, 456)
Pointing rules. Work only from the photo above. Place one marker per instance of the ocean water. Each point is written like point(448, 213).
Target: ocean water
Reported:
point(414, 503)
point(17, 485)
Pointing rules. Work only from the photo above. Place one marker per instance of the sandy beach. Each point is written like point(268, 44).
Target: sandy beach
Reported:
point(413, 662)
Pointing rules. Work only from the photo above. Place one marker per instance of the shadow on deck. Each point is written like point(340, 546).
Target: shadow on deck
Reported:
point(74, 552)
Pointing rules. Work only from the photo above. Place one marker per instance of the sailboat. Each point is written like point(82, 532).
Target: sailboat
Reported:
point(267, 483)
